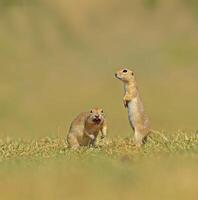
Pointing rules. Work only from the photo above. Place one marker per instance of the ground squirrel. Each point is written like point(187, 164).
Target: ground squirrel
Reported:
point(86, 127)
point(137, 117)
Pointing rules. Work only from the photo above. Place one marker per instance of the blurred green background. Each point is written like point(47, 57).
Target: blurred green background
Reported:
point(58, 58)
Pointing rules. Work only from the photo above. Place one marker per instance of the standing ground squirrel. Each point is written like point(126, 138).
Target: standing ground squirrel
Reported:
point(86, 127)
point(137, 117)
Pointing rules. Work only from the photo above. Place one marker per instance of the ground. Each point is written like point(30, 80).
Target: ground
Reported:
point(164, 168)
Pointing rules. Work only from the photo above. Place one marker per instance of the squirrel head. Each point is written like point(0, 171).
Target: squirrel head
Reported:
point(125, 75)
point(96, 116)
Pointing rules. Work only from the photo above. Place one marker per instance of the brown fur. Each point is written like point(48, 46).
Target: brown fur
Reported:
point(85, 128)
point(132, 101)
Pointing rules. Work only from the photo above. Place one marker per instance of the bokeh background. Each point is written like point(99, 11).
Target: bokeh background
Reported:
point(58, 58)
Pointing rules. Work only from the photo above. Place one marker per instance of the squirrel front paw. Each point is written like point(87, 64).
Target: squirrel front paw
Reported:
point(102, 137)
point(92, 137)
point(125, 103)
point(126, 100)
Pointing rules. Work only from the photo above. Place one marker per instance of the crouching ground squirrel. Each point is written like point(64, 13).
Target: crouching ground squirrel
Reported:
point(137, 117)
point(86, 127)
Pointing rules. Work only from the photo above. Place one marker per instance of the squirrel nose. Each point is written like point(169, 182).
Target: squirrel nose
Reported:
point(97, 116)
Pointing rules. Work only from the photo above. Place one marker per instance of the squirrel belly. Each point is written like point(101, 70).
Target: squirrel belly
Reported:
point(130, 109)
point(137, 118)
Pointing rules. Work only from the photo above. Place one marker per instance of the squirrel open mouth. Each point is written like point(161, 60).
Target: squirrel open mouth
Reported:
point(117, 77)
point(96, 120)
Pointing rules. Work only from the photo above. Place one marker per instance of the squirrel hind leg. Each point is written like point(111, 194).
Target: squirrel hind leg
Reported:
point(139, 139)
point(72, 142)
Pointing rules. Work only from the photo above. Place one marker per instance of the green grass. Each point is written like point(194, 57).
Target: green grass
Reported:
point(177, 143)
point(165, 168)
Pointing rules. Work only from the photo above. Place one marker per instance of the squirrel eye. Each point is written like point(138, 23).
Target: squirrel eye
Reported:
point(102, 111)
point(132, 73)
point(124, 71)
point(91, 111)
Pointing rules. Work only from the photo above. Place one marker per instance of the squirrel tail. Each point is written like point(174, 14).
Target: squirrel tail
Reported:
point(160, 134)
